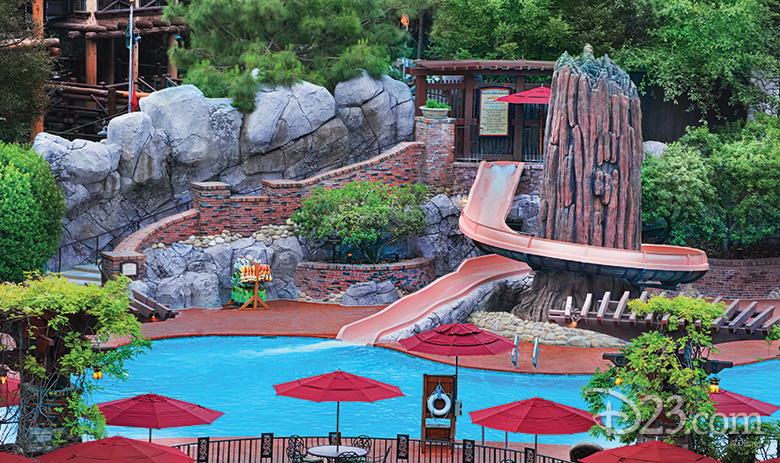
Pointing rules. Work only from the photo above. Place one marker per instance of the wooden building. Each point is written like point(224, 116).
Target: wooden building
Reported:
point(483, 129)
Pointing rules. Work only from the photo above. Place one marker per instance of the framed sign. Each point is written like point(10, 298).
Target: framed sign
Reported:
point(129, 269)
point(493, 115)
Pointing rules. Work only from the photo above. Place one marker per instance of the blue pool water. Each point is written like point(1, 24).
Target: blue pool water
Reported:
point(235, 375)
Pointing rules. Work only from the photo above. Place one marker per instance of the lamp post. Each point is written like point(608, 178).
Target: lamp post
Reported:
point(130, 45)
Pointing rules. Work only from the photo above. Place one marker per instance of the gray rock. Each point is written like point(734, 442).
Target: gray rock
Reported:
point(654, 148)
point(88, 162)
point(140, 286)
point(525, 211)
point(370, 293)
point(260, 126)
point(53, 148)
point(129, 134)
point(189, 289)
point(356, 91)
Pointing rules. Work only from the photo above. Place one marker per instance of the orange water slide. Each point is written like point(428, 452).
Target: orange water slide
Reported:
point(409, 310)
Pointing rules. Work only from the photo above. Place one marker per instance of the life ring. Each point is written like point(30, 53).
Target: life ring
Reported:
point(437, 394)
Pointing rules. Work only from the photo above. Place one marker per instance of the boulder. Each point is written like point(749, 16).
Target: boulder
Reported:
point(357, 91)
point(53, 148)
point(129, 133)
point(370, 293)
point(525, 211)
point(189, 289)
point(88, 162)
point(654, 148)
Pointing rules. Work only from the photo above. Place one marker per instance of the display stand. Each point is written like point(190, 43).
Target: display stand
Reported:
point(439, 427)
point(255, 272)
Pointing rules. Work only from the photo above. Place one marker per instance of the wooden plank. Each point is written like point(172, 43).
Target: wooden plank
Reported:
point(567, 309)
point(586, 307)
point(142, 308)
point(632, 319)
point(767, 327)
point(621, 307)
point(603, 307)
point(720, 321)
point(665, 321)
point(742, 317)
point(756, 322)
point(644, 296)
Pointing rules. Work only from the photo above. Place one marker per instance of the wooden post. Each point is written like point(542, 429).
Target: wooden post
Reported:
point(37, 17)
point(420, 93)
point(172, 70)
point(468, 113)
point(90, 58)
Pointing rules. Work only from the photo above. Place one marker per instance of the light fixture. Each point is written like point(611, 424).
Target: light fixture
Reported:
point(177, 37)
point(97, 373)
point(3, 375)
point(465, 200)
point(104, 131)
point(618, 381)
point(714, 387)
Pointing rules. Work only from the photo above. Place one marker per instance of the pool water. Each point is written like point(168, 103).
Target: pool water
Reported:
point(235, 375)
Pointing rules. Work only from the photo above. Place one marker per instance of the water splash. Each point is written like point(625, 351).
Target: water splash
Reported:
point(305, 348)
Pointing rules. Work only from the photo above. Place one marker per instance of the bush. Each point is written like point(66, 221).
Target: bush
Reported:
point(31, 212)
point(367, 215)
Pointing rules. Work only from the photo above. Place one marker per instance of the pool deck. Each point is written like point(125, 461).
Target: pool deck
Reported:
point(293, 318)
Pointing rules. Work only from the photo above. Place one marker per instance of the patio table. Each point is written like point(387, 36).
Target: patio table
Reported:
point(330, 452)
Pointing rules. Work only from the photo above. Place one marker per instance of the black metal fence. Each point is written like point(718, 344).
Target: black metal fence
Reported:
point(401, 449)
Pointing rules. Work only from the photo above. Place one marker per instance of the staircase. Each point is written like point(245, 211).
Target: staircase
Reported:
point(84, 274)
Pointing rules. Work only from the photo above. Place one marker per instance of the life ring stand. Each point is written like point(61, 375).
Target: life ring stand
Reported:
point(439, 394)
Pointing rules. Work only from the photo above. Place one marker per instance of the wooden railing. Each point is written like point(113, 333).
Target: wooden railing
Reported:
point(402, 449)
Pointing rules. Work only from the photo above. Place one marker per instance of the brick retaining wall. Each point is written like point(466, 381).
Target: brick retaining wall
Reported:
point(745, 279)
point(464, 173)
point(319, 279)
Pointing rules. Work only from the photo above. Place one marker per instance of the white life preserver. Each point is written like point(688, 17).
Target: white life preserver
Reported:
point(439, 393)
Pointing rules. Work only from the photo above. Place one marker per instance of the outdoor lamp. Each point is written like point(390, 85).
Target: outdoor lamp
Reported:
point(96, 373)
point(618, 381)
point(3, 375)
point(465, 200)
point(714, 387)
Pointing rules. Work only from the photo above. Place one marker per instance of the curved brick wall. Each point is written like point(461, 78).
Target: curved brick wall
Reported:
point(319, 279)
point(745, 279)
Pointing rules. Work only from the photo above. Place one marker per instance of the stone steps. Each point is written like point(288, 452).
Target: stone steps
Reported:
point(84, 274)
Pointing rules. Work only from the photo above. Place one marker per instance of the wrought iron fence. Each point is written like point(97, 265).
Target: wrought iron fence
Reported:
point(401, 449)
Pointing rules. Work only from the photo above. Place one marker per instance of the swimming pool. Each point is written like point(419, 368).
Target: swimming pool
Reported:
point(235, 375)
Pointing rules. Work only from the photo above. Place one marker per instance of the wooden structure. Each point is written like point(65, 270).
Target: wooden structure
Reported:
point(147, 309)
point(255, 272)
point(438, 428)
point(460, 84)
point(612, 317)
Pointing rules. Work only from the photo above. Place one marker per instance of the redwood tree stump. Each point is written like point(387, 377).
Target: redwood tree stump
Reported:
point(591, 191)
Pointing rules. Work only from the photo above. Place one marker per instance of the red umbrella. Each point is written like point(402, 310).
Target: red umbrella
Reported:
point(9, 393)
point(156, 412)
point(10, 458)
point(457, 339)
point(338, 387)
point(534, 416)
point(538, 95)
point(117, 450)
point(647, 452)
point(730, 404)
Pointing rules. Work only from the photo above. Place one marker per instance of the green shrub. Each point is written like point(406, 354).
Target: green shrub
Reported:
point(434, 104)
point(367, 215)
point(31, 211)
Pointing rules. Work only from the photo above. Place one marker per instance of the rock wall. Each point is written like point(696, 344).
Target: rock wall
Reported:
point(143, 169)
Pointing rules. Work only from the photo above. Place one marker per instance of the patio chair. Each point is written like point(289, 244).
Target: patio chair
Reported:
point(384, 458)
point(362, 441)
point(296, 451)
point(349, 457)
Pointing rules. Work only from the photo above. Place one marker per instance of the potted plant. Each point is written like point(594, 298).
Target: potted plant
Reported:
point(433, 109)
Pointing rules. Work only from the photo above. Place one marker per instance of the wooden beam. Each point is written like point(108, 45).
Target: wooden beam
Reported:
point(720, 321)
point(742, 317)
point(603, 307)
point(767, 327)
point(756, 322)
point(621, 307)
point(567, 309)
point(586, 308)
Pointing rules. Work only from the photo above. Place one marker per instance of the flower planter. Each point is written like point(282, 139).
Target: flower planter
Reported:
point(434, 113)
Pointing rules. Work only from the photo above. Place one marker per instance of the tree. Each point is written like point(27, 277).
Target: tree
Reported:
point(707, 49)
point(31, 212)
point(237, 46)
point(25, 70)
point(52, 331)
point(500, 29)
point(366, 215)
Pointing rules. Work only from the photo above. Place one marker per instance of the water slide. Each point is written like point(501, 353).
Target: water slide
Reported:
point(484, 220)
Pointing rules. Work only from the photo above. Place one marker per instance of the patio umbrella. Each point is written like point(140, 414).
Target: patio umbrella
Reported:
point(534, 416)
point(9, 393)
point(457, 339)
point(538, 95)
point(647, 452)
point(730, 404)
point(155, 412)
point(338, 386)
point(116, 450)
point(11, 458)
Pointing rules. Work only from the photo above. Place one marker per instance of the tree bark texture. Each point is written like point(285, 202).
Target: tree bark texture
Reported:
point(591, 191)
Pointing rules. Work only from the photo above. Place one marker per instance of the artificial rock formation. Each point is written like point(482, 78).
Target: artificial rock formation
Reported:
point(591, 189)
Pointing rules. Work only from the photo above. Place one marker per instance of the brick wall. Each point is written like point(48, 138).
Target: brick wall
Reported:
point(464, 173)
point(318, 279)
point(438, 137)
point(746, 279)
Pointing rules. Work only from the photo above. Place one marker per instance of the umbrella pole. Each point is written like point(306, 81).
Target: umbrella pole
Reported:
point(150, 434)
point(455, 389)
point(338, 437)
point(483, 435)
point(536, 448)
point(506, 439)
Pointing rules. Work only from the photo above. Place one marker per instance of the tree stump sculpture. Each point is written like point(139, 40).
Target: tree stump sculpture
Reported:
point(591, 189)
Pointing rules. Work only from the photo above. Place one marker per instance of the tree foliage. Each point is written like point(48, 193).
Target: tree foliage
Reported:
point(660, 367)
point(235, 47)
point(31, 212)
point(54, 326)
point(367, 215)
point(25, 70)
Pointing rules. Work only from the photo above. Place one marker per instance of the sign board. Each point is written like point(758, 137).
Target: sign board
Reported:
point(530, 455)
point(405, 21)
point(493, 115)
point(129, 269)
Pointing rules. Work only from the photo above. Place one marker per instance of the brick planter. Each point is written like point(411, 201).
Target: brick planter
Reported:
point(320, 279)
point(744, 278)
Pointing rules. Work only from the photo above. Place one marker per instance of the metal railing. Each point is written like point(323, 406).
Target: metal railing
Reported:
point(402, 449)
